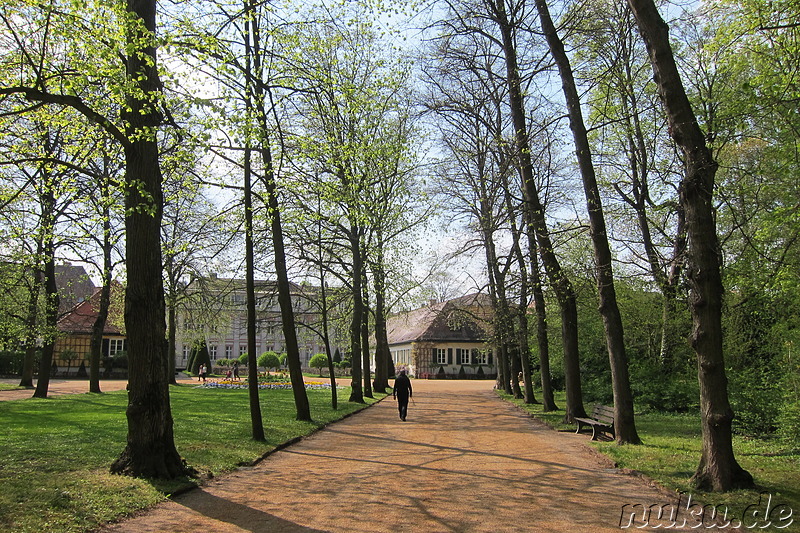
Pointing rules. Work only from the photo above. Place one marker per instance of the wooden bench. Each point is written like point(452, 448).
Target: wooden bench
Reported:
point(602, 420)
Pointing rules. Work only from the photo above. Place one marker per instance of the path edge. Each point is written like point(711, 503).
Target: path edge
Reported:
point(204, 479)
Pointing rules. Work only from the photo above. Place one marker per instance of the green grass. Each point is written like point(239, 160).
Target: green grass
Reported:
point(670, 454)
point(56, 452)
point(9, 386)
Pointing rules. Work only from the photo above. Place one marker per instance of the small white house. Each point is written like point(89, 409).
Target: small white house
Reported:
point(445, 340)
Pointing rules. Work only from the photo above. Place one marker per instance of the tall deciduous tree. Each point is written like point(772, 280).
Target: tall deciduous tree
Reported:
point(507, 26)
point(624, 425)
point(718, 469)
point(150, 451)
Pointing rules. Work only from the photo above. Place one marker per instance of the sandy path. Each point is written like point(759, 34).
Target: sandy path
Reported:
point(464, 461)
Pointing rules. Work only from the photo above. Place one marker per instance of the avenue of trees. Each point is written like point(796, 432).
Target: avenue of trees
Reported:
point(629, 186)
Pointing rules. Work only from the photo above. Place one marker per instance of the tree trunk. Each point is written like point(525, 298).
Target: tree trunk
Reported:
point(624, 423)
point(365, 342)
point(150, 450)
point(251, 57)
point(96, 343)
point(51, 304)
point(718, 469)
point(558, 279)
point(99, 326)
point(256, 418)
point(326, 337)
point(382, 353)
point(548, 400)
point(521, 313)
point(261, 90)
point(356, 392)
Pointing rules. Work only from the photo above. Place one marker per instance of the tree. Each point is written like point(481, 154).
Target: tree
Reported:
point(269, 360)
point(495, 11)
point(624, 425)
point(718, 469)
point(351, 145)
point(199, 356)
point(319, 361)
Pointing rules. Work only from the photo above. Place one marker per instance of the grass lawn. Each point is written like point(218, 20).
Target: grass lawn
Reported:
point(671, 452)
point(56, 452)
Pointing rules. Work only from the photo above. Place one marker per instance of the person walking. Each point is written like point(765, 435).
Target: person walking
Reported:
point(402, 392)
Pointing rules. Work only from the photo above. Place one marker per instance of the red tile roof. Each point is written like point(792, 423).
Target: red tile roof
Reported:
point(81, 318)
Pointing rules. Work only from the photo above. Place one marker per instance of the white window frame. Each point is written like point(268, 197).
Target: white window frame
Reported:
point(441, 356)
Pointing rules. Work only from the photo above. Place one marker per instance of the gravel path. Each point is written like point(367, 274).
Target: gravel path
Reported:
point(464, 461)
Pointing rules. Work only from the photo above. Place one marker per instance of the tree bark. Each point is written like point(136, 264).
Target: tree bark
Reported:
point(382, 353)
point(718, 469)
point(356, 392)
point(51, 303)
point(261, 93)
point(150, 450)
point(365, 340)
point(548, 400)
point(624, 423)
point(251, 57)
point(99, 326)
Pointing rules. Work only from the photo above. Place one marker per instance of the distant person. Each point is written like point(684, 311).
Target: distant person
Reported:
point(402, 392)
point(202, 373)
point(236, 370)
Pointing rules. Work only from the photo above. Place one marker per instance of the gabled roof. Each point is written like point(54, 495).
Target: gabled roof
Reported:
point(81, 318)
point(462, 319)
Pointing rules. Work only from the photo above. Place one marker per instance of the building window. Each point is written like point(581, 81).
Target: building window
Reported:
point(228, 351)
point(242, 350)
point(441, 356)
point(185, 351)
point(479, 357)
point(115, 346)
point(212, 351)
point(462, 356)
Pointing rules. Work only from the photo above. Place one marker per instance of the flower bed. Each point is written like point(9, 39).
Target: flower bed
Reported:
point(263, 384)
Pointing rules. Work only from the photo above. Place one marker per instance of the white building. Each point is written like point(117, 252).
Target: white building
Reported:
point(216, 312)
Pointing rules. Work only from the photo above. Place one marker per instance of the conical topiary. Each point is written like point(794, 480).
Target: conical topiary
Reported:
point(199, 356)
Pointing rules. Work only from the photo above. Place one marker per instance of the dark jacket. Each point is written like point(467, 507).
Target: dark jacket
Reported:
point(402, 387)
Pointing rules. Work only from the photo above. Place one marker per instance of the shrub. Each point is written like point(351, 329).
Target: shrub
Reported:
point(269, 360)
point(756, 398)
point(199, 356)
point(319, 361)
point(120, 360)
point(655, 389)
point(11, 362)
point(789, 423)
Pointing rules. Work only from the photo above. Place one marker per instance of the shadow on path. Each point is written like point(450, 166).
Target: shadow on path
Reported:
point(242, 516)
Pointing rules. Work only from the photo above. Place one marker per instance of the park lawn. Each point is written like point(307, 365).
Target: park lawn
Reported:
point(670, 454)
point(56, 452)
